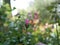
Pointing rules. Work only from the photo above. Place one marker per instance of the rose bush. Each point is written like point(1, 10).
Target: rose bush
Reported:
point(24, 29)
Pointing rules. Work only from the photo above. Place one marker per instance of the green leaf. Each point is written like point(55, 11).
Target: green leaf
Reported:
point(1, 44)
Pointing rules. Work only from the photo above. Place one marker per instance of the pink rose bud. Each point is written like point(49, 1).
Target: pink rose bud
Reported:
point(35, 15)
point(27, 21)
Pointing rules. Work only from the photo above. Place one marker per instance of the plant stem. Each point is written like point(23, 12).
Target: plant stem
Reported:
point(57, 35)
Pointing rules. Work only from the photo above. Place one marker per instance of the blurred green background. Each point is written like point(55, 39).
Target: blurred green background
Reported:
point(38, 25)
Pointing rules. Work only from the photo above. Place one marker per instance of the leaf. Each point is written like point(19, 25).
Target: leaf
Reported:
point(1, 44)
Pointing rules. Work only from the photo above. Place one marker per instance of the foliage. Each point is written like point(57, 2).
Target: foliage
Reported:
point(45, 15)
point(24, 30)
